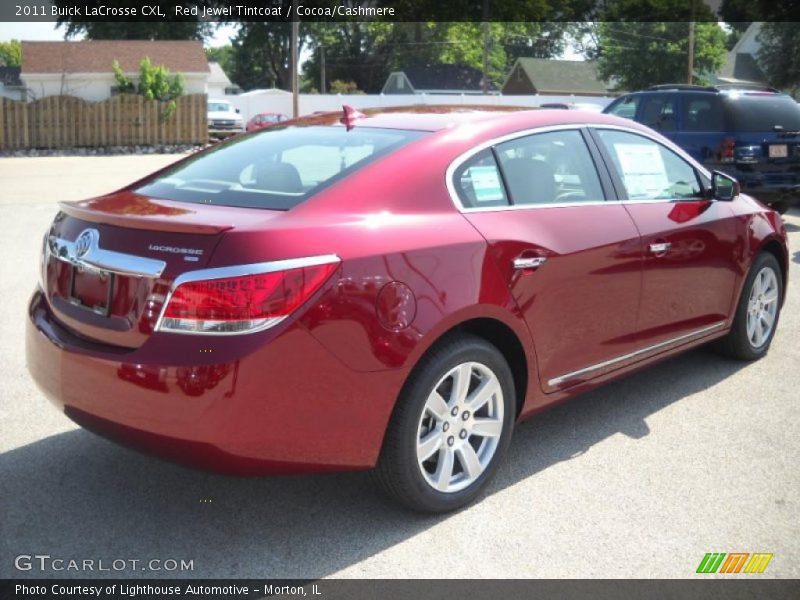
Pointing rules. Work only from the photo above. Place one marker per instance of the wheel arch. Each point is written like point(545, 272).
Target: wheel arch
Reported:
point(501, 335)
point(774, 246)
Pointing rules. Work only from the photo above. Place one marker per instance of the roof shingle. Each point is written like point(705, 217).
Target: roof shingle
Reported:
point(97, 56)
point(445, 77)
point(557, 77)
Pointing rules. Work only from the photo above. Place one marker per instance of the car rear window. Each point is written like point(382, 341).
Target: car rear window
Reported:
point(277, 168)
point(759, 112)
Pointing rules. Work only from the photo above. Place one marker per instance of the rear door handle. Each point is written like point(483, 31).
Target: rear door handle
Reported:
point(529, 262)
point(660, 248)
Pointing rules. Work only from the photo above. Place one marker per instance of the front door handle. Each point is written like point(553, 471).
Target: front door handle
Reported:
point(529, 262)
point(660, 248)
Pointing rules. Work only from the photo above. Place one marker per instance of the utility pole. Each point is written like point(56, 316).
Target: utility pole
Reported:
point(690, 65)
point(295, 80)
point(322, 69)
point(486, 39)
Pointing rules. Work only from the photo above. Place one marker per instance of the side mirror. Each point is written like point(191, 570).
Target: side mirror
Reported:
point(724, 187)
point(238, 111)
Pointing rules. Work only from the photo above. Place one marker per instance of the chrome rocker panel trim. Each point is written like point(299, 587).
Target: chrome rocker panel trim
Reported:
point(625, 357)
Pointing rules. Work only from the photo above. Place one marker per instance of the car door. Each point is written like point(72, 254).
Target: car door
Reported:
point(570, 257)
point(689, 241)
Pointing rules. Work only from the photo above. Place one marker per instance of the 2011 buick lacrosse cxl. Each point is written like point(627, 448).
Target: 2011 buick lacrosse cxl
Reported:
point(393, 290)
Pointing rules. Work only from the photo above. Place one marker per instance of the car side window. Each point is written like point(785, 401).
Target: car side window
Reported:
point(625, 107)
point(547, 168)
point(649, 170)
point(702, 114)
point(478, 182)
point(658, 112)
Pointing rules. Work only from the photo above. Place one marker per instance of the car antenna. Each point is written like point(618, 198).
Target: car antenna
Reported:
point(351, 115)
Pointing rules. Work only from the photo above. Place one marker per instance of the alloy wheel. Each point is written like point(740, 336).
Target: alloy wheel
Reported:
point(460, 427)
point(762, 307)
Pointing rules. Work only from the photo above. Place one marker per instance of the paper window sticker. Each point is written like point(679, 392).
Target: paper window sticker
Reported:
point(643, 170)
point(486, 184)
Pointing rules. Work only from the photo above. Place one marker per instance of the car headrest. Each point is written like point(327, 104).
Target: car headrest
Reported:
point(530, 181)
point(277, 177)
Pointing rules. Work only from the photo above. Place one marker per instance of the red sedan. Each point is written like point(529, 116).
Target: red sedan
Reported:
point(262, 120)
point(393, 290)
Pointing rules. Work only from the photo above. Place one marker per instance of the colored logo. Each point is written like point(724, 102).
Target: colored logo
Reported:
point(734, 562)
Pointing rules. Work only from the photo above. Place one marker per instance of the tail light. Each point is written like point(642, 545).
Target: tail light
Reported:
point(243, 299)
point(727, 153)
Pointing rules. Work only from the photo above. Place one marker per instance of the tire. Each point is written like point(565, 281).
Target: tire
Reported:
point(780, 207)
point(422, 484)
point(743, 343)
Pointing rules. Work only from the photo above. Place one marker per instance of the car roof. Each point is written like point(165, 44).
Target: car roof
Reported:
point(439, 117)
point(727, 90)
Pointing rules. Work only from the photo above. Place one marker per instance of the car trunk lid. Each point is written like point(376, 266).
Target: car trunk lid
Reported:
point(108, 262)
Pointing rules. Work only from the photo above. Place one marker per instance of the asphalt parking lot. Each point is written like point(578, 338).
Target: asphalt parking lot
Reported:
point(639, 479)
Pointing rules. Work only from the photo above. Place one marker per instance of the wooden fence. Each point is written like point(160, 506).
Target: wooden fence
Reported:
point(123, 120)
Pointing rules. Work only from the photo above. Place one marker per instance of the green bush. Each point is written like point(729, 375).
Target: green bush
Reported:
point(155, 83)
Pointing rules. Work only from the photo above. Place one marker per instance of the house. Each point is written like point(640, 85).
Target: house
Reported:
point(741, 64)
point(554, 77)
point(84, 69)
point(10, 84)
point(218, 82)
point(436, 79)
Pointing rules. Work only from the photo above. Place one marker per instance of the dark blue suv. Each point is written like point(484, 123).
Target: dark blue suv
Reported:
point(751, 133)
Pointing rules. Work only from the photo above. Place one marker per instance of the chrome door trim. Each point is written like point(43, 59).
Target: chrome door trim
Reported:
point(85, 253)
point(607, 363)
point(465, 156)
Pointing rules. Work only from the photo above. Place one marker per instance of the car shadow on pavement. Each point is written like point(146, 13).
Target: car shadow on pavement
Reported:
point(76, 496)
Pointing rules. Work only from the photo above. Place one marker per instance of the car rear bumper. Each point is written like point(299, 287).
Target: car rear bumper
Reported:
point(278, 404)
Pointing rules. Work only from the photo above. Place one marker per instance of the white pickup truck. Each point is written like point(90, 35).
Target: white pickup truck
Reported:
point(223, 119)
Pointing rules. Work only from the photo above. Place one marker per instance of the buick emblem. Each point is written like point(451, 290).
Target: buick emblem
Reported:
point(85, 241)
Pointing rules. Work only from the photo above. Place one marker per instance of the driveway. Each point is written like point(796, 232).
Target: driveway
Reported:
point(640, 478)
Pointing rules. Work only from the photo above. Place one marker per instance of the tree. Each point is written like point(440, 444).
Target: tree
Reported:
point(364, 53)
point(10, 53)
point(155, 83)
point(344, 87)
point(367, 52)
point(738, 15)
point(169, 28)
point(507, 43)
point(638, 55)
point(779, 55)
point(222, 55)
point(261, 55)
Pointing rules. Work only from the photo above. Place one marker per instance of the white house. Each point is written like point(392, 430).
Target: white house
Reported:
point(218, 82)
point(741, 64)
point(84, 69)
